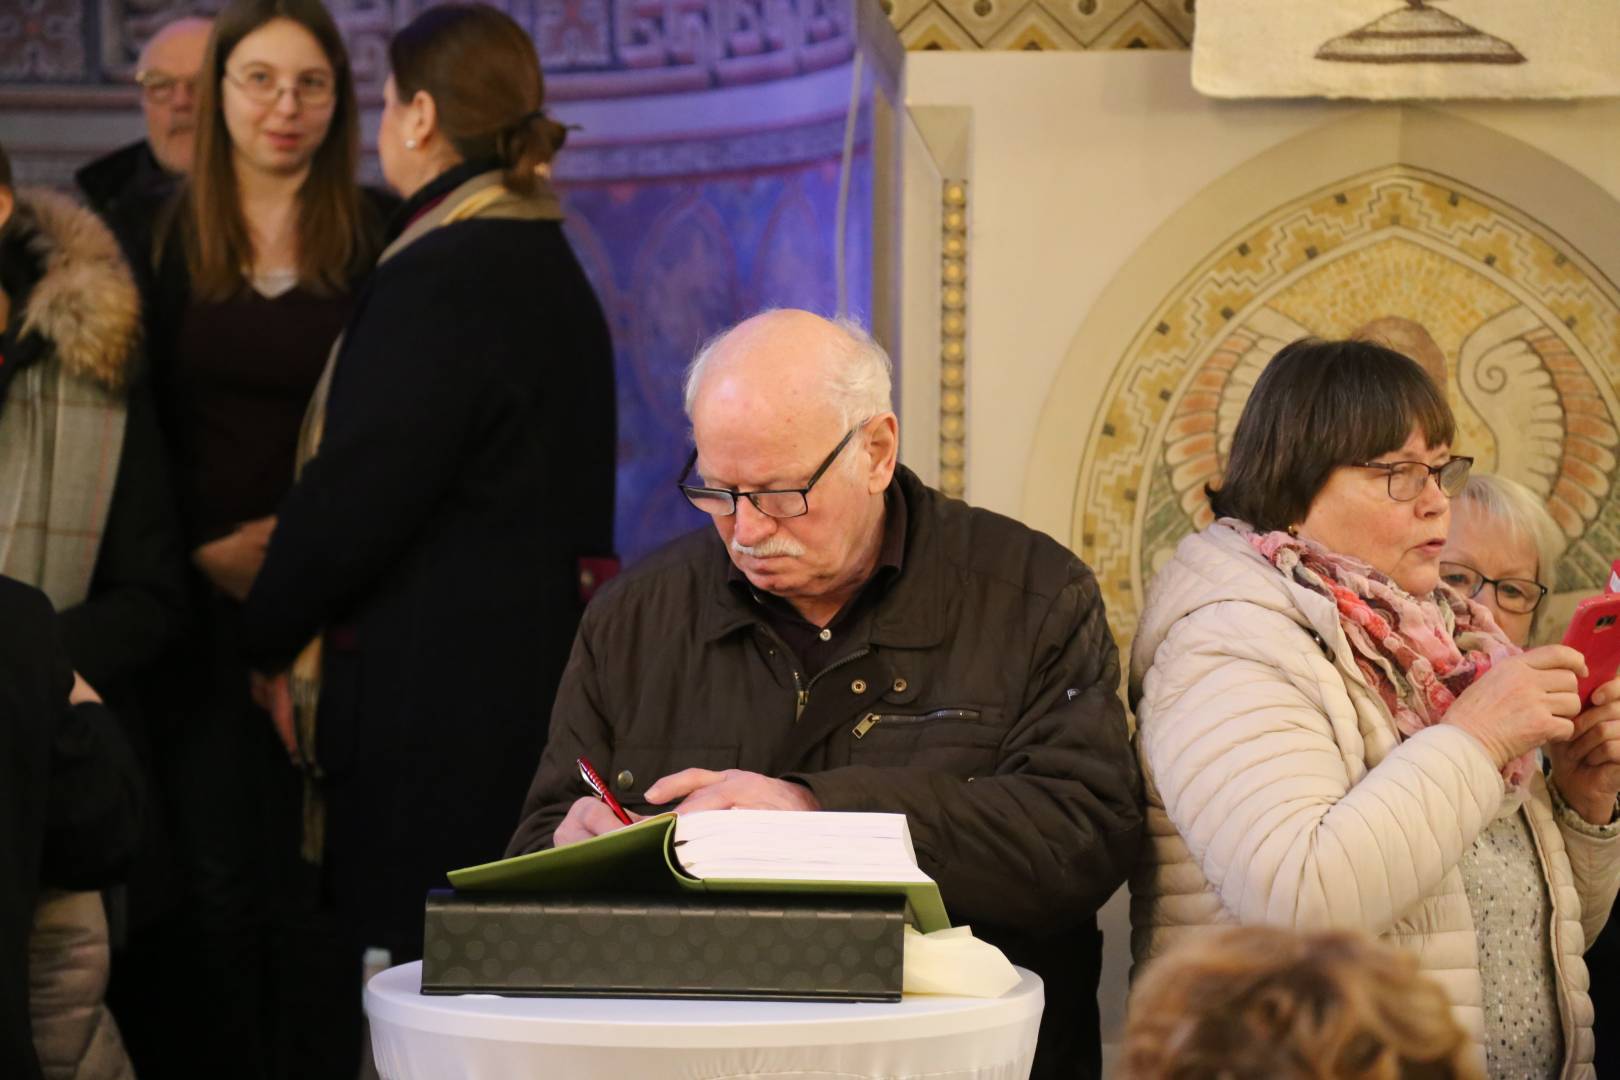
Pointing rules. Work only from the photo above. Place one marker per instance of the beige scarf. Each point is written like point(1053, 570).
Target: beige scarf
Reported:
point(483, 196)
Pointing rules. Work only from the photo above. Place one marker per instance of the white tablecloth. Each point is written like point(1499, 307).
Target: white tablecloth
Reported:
point(484, 1037)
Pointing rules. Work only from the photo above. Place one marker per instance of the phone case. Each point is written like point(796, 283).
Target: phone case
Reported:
point(1594, 632)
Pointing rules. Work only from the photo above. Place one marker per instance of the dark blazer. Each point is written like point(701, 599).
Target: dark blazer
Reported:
point(70, 798)
point(979, 698)
point(467, 464)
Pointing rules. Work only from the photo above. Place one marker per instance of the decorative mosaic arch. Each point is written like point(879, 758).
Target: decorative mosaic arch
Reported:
point(1525, 331)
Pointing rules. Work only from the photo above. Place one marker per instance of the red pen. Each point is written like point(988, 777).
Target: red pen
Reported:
point(593, 780)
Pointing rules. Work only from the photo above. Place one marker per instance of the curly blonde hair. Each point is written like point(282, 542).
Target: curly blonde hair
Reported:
point(1259, 1003)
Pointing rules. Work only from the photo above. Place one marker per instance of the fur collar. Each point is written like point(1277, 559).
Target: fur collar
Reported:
point(85, 303)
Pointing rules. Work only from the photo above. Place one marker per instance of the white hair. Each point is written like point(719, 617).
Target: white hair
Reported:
point(859, 380)
point(1510, 504)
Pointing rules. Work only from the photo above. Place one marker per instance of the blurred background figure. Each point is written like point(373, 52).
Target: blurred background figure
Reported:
point(256, 261)
point(1501, 551)
point(88, 518)
point(167, 75)
point(1260, 1003)
point(461, 481)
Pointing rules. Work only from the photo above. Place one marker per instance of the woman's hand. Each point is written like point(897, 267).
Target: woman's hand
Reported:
point(1586, 769)
point(1523, 702)
point(233, 561)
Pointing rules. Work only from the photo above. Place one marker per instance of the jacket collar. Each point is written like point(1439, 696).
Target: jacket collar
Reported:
point(1219, 565)
point(471, 189)
point(910, 614)
point(83, 302)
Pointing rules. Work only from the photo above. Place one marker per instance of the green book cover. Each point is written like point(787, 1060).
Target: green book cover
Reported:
point(640, 858)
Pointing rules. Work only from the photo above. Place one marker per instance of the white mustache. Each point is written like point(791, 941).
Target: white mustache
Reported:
point(775, 546)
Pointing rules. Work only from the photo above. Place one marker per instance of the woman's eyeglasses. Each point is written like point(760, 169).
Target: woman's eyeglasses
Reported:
point(260, 86)
point(1518, 595)
point(1407, 479)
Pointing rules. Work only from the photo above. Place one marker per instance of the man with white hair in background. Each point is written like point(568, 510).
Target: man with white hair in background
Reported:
point(846, 638)
point(167, 75)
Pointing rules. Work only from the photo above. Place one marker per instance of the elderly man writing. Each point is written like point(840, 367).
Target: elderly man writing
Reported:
point(846, 638)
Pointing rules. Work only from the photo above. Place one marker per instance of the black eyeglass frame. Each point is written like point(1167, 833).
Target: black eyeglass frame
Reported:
point(1435, 471)
point(694, 492)
point(1541, 594)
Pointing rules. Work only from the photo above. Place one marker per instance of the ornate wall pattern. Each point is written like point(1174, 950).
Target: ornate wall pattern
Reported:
point(1042, 25)
point(1519, 327)
point(588, 48)
point(612, 48)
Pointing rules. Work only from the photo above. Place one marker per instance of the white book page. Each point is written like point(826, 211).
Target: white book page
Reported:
point(796, 846)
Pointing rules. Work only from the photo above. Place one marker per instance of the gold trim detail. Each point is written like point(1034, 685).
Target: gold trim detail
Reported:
point(953, 338)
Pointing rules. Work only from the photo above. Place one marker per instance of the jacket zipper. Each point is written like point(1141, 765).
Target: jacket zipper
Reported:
point(804, 690)
point(872, 719)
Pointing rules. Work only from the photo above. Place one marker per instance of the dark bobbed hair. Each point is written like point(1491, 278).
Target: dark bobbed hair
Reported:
point(333, 242)
point(5, 169)
point(483, 75)
point(1320, 405)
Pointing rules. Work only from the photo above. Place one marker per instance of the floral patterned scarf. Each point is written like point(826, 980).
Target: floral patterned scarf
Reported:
point(1418, 653)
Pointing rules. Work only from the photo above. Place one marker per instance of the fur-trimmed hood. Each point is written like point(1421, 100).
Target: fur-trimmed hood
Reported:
point(85, 303)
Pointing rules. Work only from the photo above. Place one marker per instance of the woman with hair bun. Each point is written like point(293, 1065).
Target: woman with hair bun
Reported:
point(457, 466)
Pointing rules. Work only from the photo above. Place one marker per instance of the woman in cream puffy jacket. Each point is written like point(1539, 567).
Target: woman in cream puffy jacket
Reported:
point(1330, 739)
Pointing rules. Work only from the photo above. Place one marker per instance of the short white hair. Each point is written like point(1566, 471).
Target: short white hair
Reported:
point(1511, 504)
point(859, 382)
point(1515, 507)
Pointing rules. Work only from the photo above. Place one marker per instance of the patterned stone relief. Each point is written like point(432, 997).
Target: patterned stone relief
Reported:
point(1520, 328)
point(1042, 25)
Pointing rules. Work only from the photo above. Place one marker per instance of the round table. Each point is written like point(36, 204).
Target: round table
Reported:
point(487, 1037)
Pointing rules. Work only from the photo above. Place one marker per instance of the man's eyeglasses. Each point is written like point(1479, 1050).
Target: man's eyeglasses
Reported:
point(779, 503)
point(158, 87)
point(259, 85)
point(1407, 479)
point(1518, 595)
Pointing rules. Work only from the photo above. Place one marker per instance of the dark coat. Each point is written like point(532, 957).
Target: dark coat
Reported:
point(1002, 737)
point(467, 464)
point(70, 798)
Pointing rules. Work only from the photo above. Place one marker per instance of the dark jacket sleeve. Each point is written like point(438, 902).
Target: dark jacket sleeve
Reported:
point(401, 410)
point(92, 785)
point(137, 595)
point(1043, 842)
point(579, 728)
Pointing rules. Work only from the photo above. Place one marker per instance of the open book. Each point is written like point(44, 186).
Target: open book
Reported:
point(731, 851)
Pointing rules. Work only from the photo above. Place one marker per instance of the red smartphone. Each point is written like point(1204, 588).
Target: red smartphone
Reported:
point(1594, 632)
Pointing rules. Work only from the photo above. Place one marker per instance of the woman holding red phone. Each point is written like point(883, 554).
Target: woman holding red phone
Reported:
point(1501, 549)
point(1332, 738)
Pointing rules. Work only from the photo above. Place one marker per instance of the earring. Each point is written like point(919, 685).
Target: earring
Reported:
point(410, 144)
point(1293, 530)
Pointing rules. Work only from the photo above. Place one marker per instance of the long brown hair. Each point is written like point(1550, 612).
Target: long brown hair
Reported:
point(333, 245)
point(1262, 1003)
point(483, 75)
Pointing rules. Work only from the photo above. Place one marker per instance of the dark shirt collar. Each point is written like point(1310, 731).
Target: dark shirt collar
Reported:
point(891, 553)
point(436, 189)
